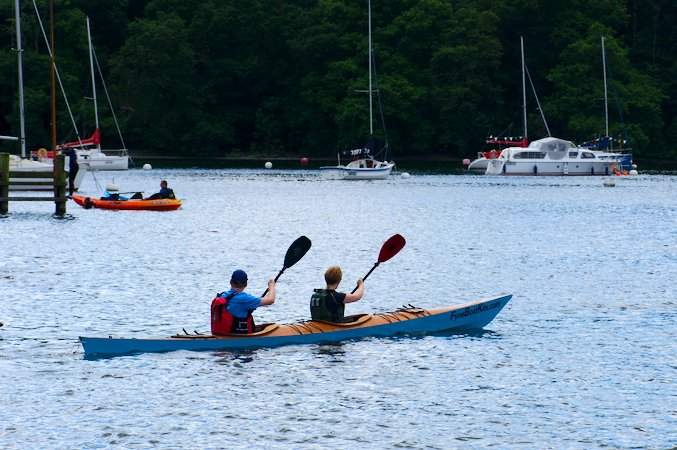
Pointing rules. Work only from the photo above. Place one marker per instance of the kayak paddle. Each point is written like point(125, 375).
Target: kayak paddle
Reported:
point(296, 250)
point(390, 248)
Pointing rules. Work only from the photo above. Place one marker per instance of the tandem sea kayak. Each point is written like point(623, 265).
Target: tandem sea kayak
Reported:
point(160, 204)
point(404, 321)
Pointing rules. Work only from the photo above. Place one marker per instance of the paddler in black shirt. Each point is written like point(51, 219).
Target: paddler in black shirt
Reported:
point(327, 304)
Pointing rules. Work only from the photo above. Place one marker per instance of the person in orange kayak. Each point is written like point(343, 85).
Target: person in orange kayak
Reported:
point(231, 311)
point(165, 192)
point(327, 304)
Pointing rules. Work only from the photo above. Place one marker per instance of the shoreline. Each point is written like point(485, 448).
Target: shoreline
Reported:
point(450, 163)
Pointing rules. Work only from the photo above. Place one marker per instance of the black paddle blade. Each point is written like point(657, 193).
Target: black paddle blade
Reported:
point(391, 247)
point(296, 251)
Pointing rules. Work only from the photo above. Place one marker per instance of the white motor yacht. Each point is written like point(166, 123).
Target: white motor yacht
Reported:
point(553, 156)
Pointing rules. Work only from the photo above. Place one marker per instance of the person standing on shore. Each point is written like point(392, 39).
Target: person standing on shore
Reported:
point(73, 168)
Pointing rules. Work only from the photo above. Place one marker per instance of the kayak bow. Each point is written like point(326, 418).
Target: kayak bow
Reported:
point(404, 321)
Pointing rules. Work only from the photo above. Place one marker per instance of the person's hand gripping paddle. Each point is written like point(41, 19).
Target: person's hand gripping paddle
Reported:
point(296, 250)
point(390, 248)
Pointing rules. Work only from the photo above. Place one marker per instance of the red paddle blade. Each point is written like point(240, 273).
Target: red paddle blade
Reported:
point(391, 247)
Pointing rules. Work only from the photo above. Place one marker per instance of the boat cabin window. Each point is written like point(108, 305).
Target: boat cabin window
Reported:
point(587, 155)
point(529, 155)
point(573, 154)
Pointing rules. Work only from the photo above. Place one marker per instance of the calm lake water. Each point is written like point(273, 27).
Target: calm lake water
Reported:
point(585, 355)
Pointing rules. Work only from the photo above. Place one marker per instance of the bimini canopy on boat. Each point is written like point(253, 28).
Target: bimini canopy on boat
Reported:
point(357, 153)
point(551, 144)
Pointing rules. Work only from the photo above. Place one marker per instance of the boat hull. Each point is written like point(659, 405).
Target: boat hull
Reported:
point(356, 173)
point(478, 165)
point(410, 321)
point(549, 168)
point(161, 204)
point(101, 162)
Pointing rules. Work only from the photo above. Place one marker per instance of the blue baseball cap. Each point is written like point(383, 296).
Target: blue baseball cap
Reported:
point(239, 277)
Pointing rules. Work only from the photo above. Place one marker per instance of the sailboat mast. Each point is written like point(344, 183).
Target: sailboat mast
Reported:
point(606, 104)
point(91, 67)
point(524, 89)
point(19, 57)
point(371, 107)
point(52, 71)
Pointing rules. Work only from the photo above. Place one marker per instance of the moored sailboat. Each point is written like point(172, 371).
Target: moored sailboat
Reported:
point(364, 165)
point(89, 150)
point(22, 164)
point(605, 144)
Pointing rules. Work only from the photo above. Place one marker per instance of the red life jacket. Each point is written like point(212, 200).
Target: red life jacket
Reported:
point(223, 322)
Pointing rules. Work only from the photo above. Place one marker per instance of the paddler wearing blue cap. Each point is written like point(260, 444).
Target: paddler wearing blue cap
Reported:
point(231, 311)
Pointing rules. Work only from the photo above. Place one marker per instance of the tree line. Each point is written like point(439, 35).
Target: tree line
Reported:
point(218, 77)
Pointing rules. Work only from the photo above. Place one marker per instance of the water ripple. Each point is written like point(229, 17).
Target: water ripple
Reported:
point(583, 357)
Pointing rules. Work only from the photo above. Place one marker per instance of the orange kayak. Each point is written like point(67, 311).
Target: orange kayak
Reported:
point(161, 204)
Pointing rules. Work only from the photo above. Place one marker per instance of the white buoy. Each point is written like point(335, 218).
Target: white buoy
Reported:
point(147, 166)
point(268, 165)
point(405, 175)
point(633, 172)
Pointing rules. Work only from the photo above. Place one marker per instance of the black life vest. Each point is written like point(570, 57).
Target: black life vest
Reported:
point(223, 322)
point(325, 306)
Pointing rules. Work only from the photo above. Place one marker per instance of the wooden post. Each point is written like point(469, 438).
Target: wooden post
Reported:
point(60, 183)
point(4, 183)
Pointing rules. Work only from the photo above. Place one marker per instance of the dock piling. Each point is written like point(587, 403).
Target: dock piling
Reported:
point(60, 185)
point(57, 178)
point(4, 183)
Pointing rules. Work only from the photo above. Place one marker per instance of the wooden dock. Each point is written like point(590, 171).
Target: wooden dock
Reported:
point(57, 178)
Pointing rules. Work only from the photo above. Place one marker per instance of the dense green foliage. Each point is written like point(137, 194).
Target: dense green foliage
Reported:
point(282, 77)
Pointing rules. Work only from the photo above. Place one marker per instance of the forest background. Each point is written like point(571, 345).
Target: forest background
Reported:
point(223, 77)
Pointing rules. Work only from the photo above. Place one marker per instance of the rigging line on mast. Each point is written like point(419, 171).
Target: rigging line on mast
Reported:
point(380, 108)
point(58, 77)
point(110, 103)
point(618, 104)
point(545, 122)
point(19, 51)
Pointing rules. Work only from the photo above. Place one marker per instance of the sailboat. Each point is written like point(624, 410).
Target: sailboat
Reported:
point(89, 149)
point(363, 165)
point(20, 163)
point(605, 144)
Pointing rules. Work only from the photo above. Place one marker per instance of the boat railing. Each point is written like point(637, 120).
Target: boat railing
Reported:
point(116, 152)
point(104, 151)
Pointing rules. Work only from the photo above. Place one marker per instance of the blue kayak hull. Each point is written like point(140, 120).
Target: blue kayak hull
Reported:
point(469, 316)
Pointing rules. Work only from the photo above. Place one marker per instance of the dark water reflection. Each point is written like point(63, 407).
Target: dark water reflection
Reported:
point(583, 357)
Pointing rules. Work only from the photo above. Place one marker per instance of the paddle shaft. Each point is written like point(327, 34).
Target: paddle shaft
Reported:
point(278, 276)
point(365, 277)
